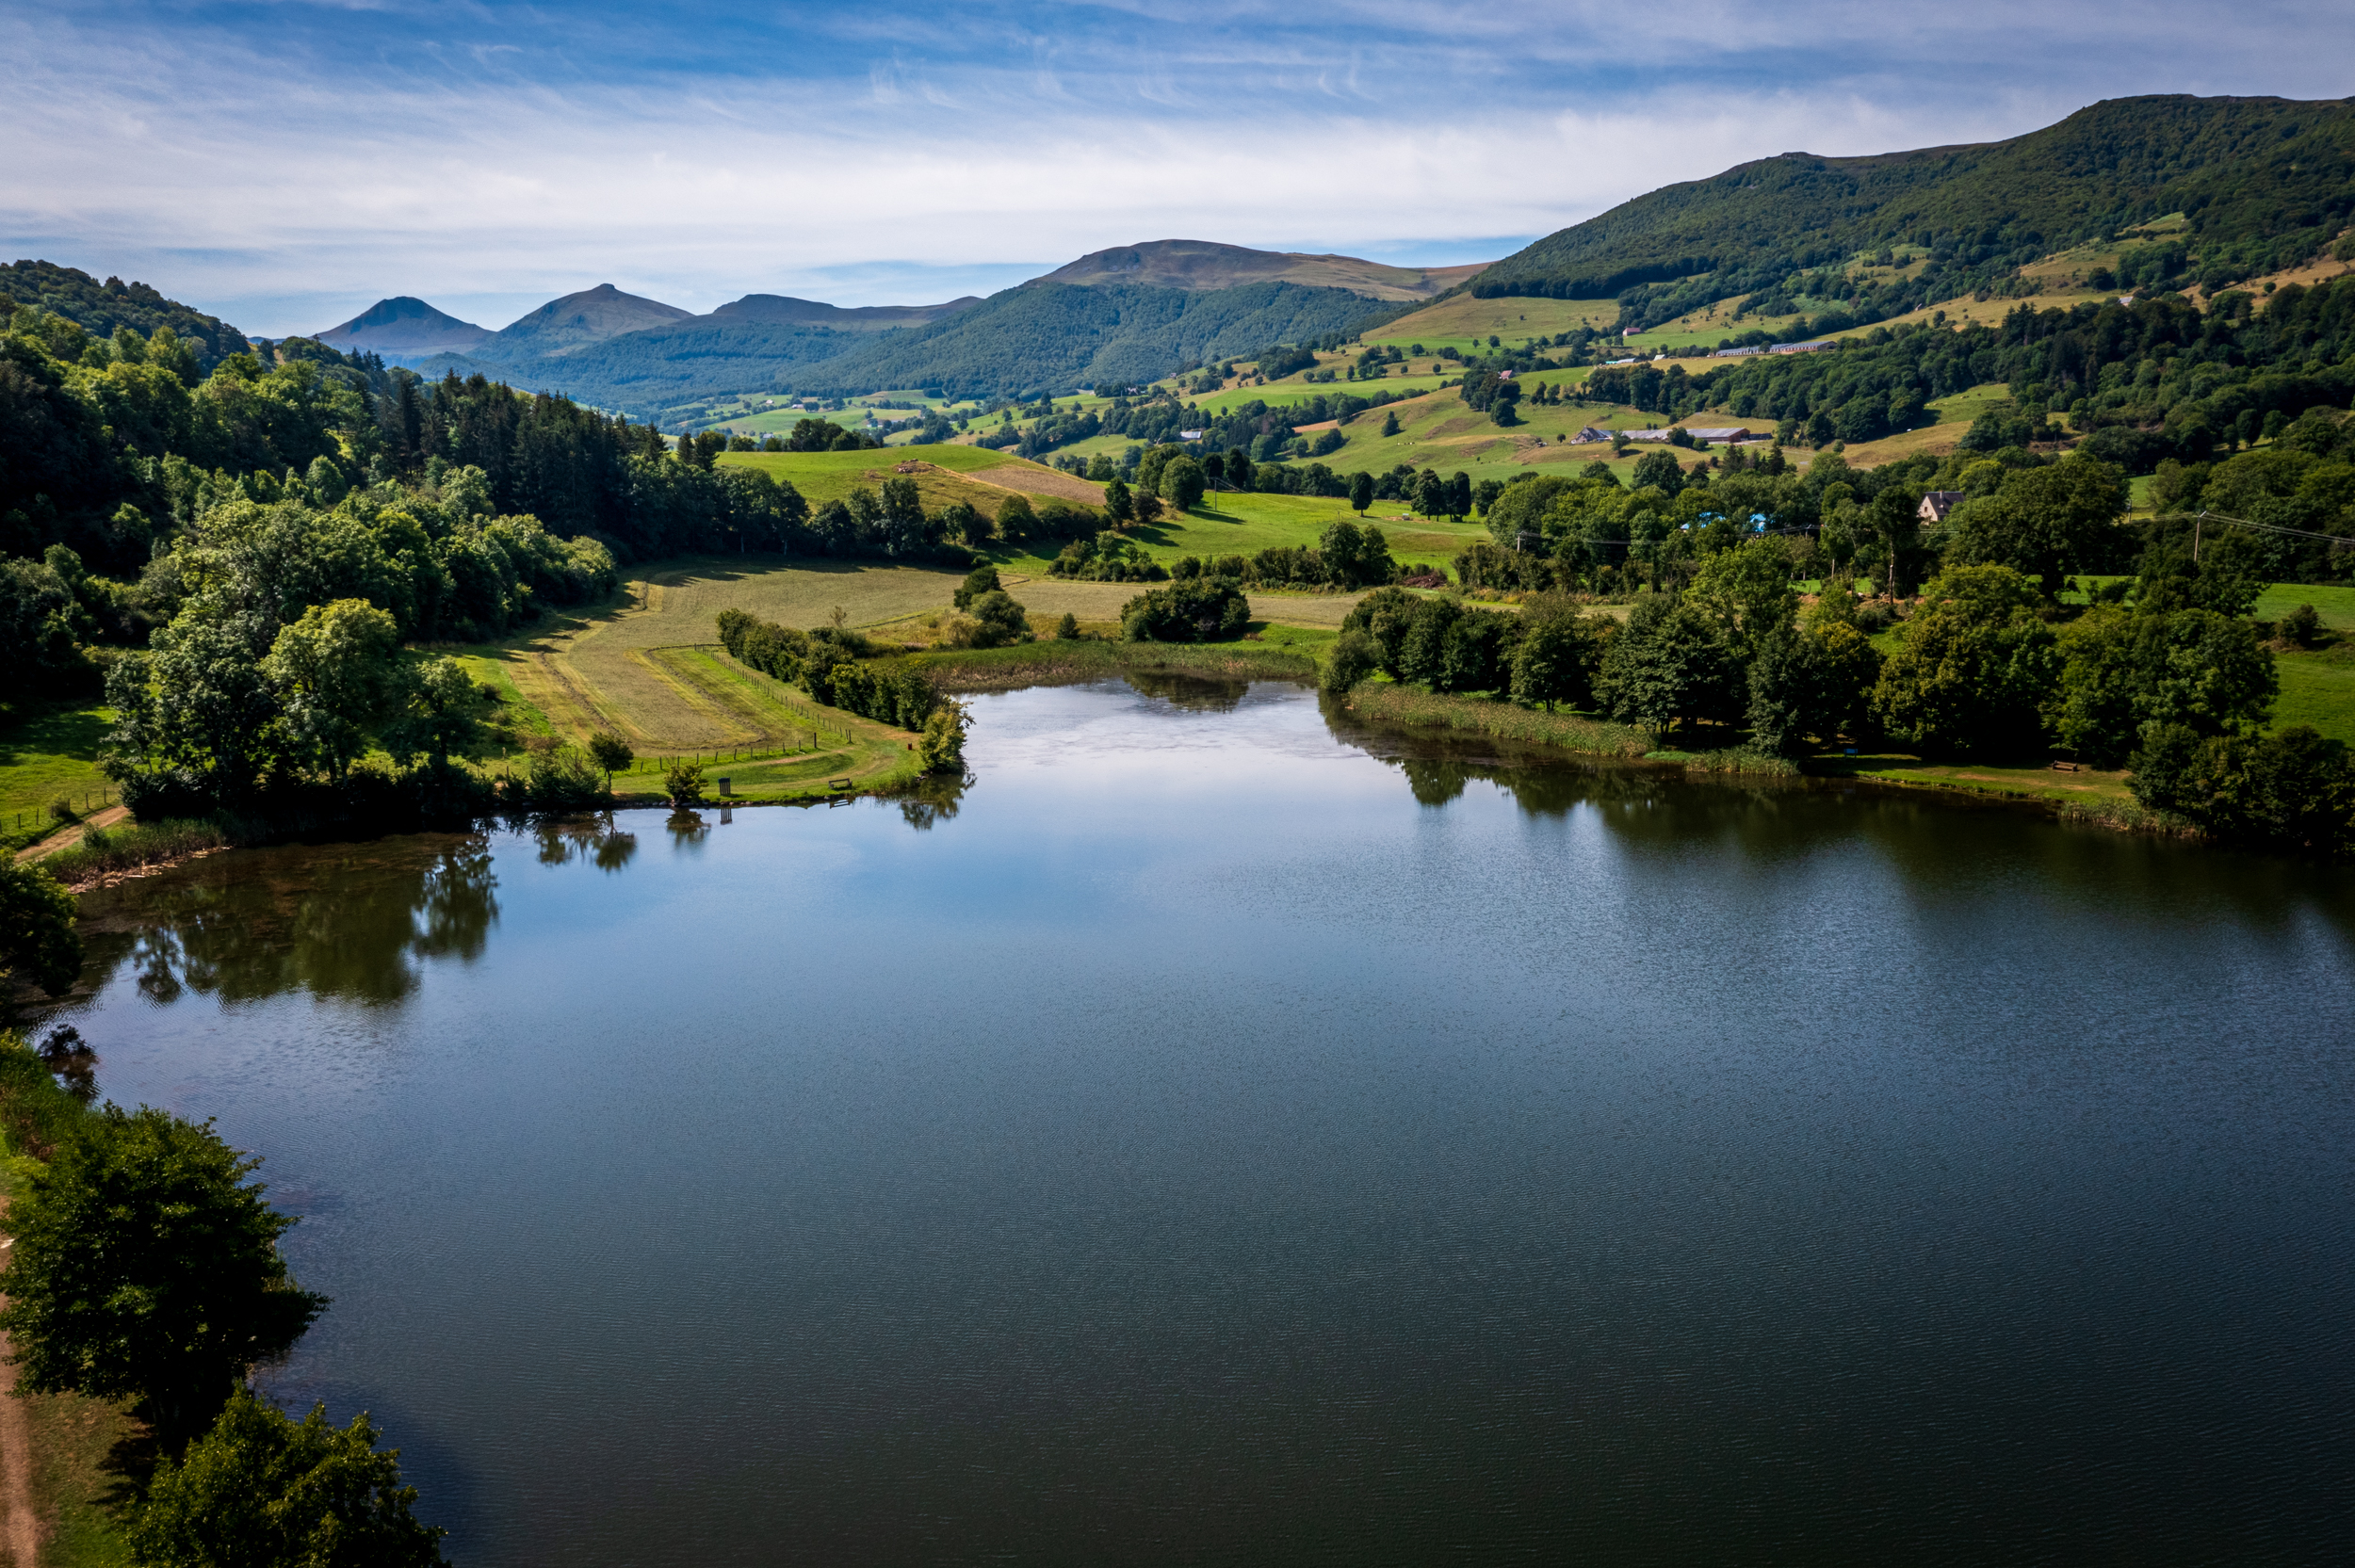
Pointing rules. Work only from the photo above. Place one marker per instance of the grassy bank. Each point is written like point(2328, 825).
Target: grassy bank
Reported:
point(1058, 663)
point(105, 852)
point(1403, 704)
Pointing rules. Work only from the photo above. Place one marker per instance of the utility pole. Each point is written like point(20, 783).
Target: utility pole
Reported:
point(2195, 539)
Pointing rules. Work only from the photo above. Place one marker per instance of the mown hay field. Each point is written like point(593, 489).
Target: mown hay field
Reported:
point(1464, 321)
point(946, 474)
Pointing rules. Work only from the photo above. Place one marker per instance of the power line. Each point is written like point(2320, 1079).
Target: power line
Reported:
point(2275, 528)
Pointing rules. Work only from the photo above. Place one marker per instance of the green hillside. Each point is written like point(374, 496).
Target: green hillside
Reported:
point(1057, 337)
point(1038, 337)
point(99, 308)
point(2261, 183)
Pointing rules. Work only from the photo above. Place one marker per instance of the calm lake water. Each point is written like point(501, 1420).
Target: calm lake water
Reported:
point(1219, 1138)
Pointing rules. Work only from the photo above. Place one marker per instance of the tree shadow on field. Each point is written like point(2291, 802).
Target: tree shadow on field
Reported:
point(127, 1469)
point(51, 730)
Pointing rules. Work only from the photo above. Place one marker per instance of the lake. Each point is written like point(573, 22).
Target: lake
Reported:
point(1221, 1135)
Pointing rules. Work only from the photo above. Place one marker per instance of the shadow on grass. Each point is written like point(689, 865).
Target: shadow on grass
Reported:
point(61, 729)
point(129, 1465)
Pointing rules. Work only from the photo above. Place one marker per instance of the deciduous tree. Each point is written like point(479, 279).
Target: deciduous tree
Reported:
point(37, 938)
point(146, 1265)
point(262, 1488)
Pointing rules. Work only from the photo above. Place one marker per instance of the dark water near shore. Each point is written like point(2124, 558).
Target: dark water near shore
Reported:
point(1207, 1142)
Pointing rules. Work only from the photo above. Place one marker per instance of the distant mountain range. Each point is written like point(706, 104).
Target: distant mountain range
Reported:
point(1127, 314)
point(1201, 265)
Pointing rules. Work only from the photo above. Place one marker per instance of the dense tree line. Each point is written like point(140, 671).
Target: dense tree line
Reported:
point(837, 667)
point(2157, 379)
point(2165, 676)
point(99, 308)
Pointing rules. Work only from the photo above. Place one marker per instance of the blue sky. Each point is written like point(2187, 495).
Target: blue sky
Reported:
point(287, 164)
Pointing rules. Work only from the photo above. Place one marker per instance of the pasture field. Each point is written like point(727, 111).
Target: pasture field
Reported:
point(1464, 321)
point(650, 669)
point(47, 750)
point(1701, 327)
point(953, 472)
point(2317, 686)
point(2336, 606)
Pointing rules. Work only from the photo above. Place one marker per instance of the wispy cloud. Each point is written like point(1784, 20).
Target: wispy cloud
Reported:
point(288, 164)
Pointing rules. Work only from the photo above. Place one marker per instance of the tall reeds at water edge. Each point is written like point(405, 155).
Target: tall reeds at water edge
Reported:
point(130, 847)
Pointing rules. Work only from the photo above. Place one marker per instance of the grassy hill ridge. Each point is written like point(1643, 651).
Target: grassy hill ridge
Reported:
point(2257, 178)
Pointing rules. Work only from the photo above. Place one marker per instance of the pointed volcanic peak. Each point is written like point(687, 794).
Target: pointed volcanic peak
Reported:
point(1201, 265)
point(404, 326)
point(576, 320)
point(778, 310)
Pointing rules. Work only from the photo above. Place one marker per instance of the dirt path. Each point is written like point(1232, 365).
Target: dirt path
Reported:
point(19, 1531)
point(66, 836)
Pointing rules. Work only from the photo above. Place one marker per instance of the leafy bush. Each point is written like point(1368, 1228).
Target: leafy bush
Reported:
point(683, 782)
point(1355, 656)
point(940, 748)
point(564, 780)
point(38, 936)
point(36, 1111)
point(1203, 610)
point(982, 579)
point(261, 1487)
point(2293, 789)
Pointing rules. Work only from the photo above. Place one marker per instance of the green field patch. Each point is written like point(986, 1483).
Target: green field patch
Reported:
point(975, 474)
point(2336, 606)
point(48, 751)
point(2317, 688)
point(2039, 781)
point(1465, 323)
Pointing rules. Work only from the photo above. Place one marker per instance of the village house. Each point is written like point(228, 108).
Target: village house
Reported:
point(1937, 504)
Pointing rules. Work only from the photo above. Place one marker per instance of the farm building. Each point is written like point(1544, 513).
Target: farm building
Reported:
point(1937, 504)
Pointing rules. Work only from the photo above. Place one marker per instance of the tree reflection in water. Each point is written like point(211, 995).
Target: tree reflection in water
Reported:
point(593, 839)
point(932, 800)
point(353, 922)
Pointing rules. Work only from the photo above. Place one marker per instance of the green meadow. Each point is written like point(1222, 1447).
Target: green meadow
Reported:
point(47, 751)
point(1465, 323)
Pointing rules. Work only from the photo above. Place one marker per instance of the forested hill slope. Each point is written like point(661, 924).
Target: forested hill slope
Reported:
point(2263, 182)
point(1056, 337)
point(1200, 264)
point(99, 308)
